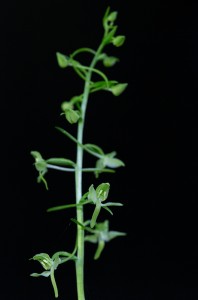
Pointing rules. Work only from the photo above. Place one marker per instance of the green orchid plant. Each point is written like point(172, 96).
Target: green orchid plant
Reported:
point(74, 111)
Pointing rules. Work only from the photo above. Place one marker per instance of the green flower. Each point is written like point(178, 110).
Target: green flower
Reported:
point(97, 197)
point(102, 235)
point(108, 160)
point(50, 265)
point(41, 166)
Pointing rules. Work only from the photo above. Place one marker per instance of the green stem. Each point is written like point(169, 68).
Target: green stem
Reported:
point(83, 170)
point(85, 49)
point(78, 182)
point(54, 283)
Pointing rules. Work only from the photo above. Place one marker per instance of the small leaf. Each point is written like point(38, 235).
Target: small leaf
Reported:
point(61, 207)
point(60, 161)
point(67, 134)
point(102, 85)
point(94, 148)
point(80, 224)
point(62, 60)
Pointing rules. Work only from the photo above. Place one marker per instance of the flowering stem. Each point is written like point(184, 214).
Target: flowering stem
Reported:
point(78, 182)
point(75, 112)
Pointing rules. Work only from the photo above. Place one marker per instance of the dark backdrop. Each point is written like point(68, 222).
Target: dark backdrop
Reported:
point(152, 126)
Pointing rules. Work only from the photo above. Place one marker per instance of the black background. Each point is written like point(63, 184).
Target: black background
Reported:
point(152, 126)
